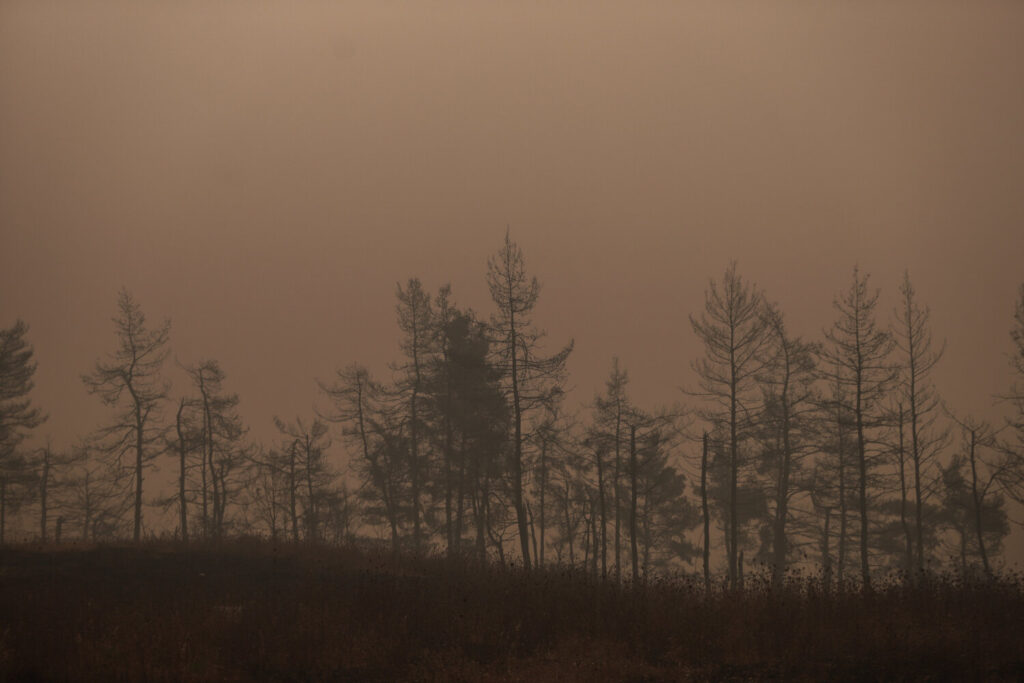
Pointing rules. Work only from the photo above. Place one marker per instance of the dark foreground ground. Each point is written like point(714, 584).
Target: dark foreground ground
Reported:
point(255, 611)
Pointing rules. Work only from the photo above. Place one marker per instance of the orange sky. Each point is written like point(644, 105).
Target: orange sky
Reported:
point(264, 173)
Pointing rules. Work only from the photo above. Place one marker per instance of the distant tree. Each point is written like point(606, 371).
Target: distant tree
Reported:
point(372, 429)
point(478, 418)
point(596, 446)
point(50, 467)
point(859, 351)
point(18, 417)
point(705, 514)
point(609, 420)
point(570, 493)
point(267, 500)
point(220, 433)
point(734, 332)
point(129, 381)
point(441, 393)
point(187, 438)
point(918, 357)
point(1012, 472)
point(831, 481)
point(94, 494)
point(532, 380)
point(308, 478)
point(787, 419)
point(659, 513)
point(550, 440)
point(416, 323)
point(748, 499)
point(972, 498)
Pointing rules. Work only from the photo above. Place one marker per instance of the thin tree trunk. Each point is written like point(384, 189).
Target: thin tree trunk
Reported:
point(43, 485)
point(826, 557)
point(292, 485)
point(517, 459)
point(459, 500)
point(733, 533)
point(616, 476)
point(568, 527)
point(182, 450)
point(704, 512)
point(908, 561)
point(977, 505)
point(601, 503)
point(632, 501)
point(842, 495)
point(139, 424)
point(539, 552)
point(862, 492)
point(780, 541)
point(311, 519)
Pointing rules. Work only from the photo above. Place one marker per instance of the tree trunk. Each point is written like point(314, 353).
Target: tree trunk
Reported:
point(632, 502)
point(311, 512)
point(543, 489)
point(517, 455)
point(780, 543)
point(862, 492)
point(908, 560)
point(842, 505)
point(826, 557)
point(292, 493)
point(43, 485)
point(601, 504)
point(704, 512)
point(616, 476)
point(733, 533)
point(978, 528)
point(208, 448)
point(568, 527)
point(139, 433)
point(182, 450)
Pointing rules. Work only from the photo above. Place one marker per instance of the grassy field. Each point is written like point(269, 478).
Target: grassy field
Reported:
point(258, 611)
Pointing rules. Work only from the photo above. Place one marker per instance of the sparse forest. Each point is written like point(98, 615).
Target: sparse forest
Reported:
point(834, 455)
point(814, 467)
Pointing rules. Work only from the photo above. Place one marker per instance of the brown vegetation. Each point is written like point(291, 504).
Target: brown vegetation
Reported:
point(252, 610)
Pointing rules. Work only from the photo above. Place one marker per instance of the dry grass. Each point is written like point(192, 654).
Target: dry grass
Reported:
point(250, 610)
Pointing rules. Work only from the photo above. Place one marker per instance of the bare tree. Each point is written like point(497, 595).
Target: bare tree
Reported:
point(309, 479)
point(975, 497)
point(610, 411)
point(220, 432)
point(370, 428)
point(859, 351)
point(532, 381)
point(734, 333)
point(918, 357)
point(50, 468)
point(129, 381)
point(789, 403)
point(1013, 472)
point(416, 323)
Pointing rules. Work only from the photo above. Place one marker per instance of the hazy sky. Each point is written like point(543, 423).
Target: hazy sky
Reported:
point(264, 173)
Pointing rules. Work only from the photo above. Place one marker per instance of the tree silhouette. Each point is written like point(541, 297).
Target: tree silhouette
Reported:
point(532, 381)
point(18, 417)
point(859, 351)
point(918, 357)
point(734, 332)
point(129, 381)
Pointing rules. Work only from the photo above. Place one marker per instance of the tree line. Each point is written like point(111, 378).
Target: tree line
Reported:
point(837, 452)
